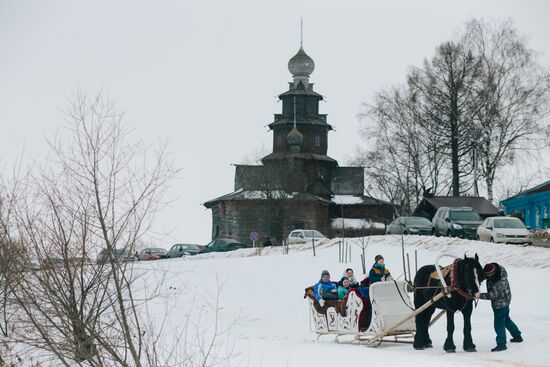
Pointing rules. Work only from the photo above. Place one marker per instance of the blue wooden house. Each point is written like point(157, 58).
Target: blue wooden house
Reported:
point(532, 206)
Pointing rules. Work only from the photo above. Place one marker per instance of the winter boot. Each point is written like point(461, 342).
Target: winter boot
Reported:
point(499, 348)
point(516, 339)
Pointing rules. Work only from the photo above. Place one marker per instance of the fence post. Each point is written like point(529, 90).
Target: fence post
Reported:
point(346, 248)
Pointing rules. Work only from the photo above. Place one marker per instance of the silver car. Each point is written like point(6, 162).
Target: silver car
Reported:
point(304, 235)
point(504, 229)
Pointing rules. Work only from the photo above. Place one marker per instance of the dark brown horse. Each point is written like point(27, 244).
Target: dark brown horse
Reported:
point(464, 278)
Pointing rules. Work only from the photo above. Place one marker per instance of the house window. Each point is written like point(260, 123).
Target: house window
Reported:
point(279, 139)
point(317, 141)
point(217, 234)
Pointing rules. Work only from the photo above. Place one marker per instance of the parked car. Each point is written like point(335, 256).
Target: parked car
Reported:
point(456, 222)
point(183, 249)
point(304, 235)
point(153, 253)
point(504, 229)
point(410, 225)
point(50, 262)
point(118, 255)
point(223, 245)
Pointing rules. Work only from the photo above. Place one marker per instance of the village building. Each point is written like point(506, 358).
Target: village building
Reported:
point(532, 206)
point(429, 205)
point(297, 186)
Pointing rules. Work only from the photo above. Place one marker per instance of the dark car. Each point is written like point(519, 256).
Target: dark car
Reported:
point(118, 255)
point(456, 222)
point(410, 225)
point(222, 245)
point(183, 249)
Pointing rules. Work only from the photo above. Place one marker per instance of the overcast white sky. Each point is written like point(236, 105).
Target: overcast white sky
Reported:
point(206, 73)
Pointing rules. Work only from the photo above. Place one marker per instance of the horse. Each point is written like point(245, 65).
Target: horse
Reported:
point(464, 277)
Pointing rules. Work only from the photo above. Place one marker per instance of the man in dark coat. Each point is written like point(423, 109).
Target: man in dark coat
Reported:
point(498, 292)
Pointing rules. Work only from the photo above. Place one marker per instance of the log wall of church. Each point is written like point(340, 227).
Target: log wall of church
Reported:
point(236, 219)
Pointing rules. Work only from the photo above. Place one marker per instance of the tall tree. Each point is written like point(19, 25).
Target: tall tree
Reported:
point(446, 90)
point(403, 162)
point(513, 93)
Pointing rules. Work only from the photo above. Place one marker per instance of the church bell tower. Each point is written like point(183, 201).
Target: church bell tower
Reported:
point(300, 132)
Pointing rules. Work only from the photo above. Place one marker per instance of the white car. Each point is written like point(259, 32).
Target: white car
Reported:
point(504, 229)
point(304, 235)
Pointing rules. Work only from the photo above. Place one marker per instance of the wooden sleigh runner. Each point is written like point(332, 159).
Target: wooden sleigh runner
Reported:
point(391, 318)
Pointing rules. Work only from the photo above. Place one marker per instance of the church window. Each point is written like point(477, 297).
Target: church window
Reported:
point(317, 141)
point(321, 173)
point(279, 139)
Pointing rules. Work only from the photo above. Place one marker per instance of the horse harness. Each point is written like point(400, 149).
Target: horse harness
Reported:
point(451, 270)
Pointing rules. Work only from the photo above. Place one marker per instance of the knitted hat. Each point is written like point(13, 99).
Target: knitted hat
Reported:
point(489, 270)
point(325, 272)
point(344, 278)
point(378, 257)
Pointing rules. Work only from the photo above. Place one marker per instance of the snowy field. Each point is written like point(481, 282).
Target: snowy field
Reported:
point(266, 320)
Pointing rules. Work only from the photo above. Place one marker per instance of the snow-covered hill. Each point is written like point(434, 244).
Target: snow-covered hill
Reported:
point(261, 304)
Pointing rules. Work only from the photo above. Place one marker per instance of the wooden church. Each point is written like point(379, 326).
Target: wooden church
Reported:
point(297, 185)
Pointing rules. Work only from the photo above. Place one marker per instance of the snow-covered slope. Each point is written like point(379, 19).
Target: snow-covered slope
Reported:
point(261, 304)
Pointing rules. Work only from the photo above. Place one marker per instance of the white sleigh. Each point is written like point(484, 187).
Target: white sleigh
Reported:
point(391, 304)
point(334, 323)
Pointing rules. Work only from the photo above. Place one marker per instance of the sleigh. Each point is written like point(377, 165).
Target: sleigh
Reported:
point(390, 316)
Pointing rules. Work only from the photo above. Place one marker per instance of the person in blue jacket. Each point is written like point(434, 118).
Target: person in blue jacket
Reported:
point(325, 289)
point(378, 272)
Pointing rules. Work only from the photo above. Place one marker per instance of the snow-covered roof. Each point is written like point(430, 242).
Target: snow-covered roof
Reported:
point(262, 195)
point(347, 199)
point(355, 223)
point(255, 194)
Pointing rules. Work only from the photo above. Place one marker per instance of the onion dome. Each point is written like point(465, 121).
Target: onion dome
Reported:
point(295, 140)
point(301, 64)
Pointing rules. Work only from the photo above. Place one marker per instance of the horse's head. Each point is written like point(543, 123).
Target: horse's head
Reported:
point(470, 274)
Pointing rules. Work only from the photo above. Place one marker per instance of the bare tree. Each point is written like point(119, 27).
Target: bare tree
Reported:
point(274, 182)
point(404, 158)
point(445, 88)
point(97, 193)
point(477, 102)
point(513, 91)
point(11, 260)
